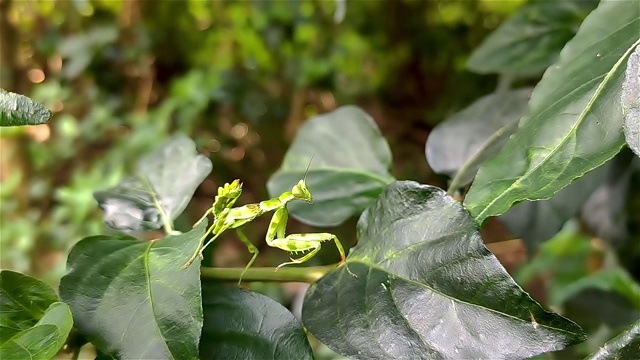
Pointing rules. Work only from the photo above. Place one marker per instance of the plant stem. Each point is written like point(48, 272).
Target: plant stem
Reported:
point(462, 172)
point(309, 274)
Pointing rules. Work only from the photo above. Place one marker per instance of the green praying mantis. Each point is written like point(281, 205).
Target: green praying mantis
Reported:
point(229, 217)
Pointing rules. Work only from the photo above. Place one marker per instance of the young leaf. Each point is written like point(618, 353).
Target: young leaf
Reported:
point(531, 39)
point(164, 183)
point(44, 339)
point(240, 324)
point(16, 110)
point(351, 162)
point(132, 299)
point(457, 140)
point(624, 346)
point(574, 120)
point(23, 301)
point(631, 101)
point(426, 286)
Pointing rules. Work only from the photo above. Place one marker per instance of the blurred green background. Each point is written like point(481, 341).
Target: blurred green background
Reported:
point(239, 77)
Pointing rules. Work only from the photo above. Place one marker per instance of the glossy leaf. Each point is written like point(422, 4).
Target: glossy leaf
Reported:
point(483, 126)
point(574, 120)
point(240, 324)
point(427, 287)
point(165, 179)
point(631, 101)
point(351, 165)
point(531, 39)
point(44, 339)
point(624, 346)
point(538, 221)
point(23, 301)
point(16, 110)
point(132, 299)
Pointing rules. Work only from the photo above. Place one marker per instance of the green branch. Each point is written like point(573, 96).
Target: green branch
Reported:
point(309, 274)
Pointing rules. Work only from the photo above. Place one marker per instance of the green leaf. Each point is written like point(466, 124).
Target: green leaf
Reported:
point(163, 186)
point(574, 120)
point(44, 339)
point(427, 287)
point(23, 301)
point(624, 346)
point(612, 280)
point(351, 165)
point(240, 324)
point(631, 101)
point(531, 39)
point(132, 299)
point(17, 110)
point(469, 137)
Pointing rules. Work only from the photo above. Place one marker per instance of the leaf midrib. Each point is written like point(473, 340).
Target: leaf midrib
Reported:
point(481, 216)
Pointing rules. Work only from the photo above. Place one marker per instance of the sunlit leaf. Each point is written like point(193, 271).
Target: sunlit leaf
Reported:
point(351, 165)
point(574, 120)
point(165, 179)
point(474, 134)
point(44, 339)
point(624, 346)
point(16, 110)
point(23, 301)
point(427, 287)
point(531, 39)
point(631, 101)
point(132, 299)
point(240, 324)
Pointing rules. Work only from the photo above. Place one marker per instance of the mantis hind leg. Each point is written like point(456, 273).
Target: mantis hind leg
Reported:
point(252, 249)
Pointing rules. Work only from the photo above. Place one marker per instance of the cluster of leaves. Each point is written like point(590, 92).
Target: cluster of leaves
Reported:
point(420, 281)
point(114, 92)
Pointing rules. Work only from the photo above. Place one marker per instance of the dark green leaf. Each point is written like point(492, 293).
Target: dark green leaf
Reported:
point(474, 134)
point(531, 39)
point(349, 170)
point(624, 346)
point(166, 179)
point(132, 299)
point(44, 339)
point(23, 301)
point(538, 221)
point(574, 119)
point(631, 101)
point(16, 110)
point(240, 324)
point(427, 287)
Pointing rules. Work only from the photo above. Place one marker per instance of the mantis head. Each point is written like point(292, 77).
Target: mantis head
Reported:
point(300, 191)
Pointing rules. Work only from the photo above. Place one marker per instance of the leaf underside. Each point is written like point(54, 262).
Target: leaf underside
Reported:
point(350, 167)
point(631, 101)
point(18, 110)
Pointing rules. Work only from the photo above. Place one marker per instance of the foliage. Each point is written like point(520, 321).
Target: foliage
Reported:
point(422, 279)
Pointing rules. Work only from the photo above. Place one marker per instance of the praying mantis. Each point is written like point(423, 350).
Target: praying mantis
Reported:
point(229, 217)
